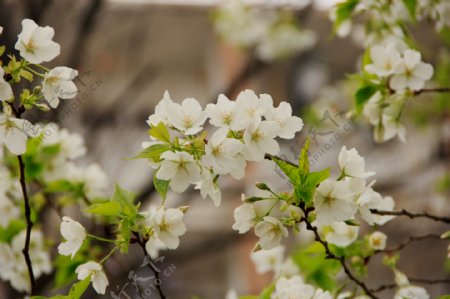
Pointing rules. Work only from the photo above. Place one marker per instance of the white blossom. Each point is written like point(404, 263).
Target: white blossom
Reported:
point(250, 106)
point(411, 73)
point(221, 153)
point(153, 246)
point(169, 226)
point(259, 139)
point(187, 117)
point(352, 164)
point(95, 271)
point(6, 92)
point(208, 187)
point(287, 124)
point(341, 234)
point(270, 232)
point(384, 60)
point(13, 133)
point(180, 168)
point(334, 202)
point(268, 260)
point(35, 43)
point(74, 234)
point(377, 240)
point(292, 288)
point(387, 204)
point(244, 216)
point(224, 114)
point(58, 84)
point(411, 292)
point(162, 110)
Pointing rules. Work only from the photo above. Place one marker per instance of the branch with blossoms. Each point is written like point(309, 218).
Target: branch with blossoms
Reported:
point(188, 146)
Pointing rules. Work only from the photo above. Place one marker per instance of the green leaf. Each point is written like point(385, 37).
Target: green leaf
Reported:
point(160, 132)
point(79, 288)
point(126, 201)
point(344, 12)
point(26, 74)
point(162, 186)
point(2, 50)
point(362, 95)
point(111, 208)
point(65, 268)
point(267, 292)
point(317, 177)
point(446, 235)
point(253, 199)
point(14, 227)
point(153, 152)
point(289, 170)
point(411, 5)
point(352, 222)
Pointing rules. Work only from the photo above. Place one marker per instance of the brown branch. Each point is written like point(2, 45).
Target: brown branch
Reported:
point(404, 212)
point(150, 264)
point(432, 90)
point(26, 248)
point(331, 255)
point(413, 280)
point(407, 242)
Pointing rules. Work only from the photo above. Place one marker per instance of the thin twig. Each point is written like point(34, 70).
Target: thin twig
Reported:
point(407, 242)
point(404, 212)
point(413, 280)
point(150, 264)
point(26, 248)
point(330, 255)
point(432, 90)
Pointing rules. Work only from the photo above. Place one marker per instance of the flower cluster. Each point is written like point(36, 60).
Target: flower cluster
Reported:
point(335, 202)
point(247, 129)
point(14, 268)
point(273, 35)
point(35, 45)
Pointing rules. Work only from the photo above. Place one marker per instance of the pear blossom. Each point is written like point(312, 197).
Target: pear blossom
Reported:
point(74, 233)
point(287, 124)
point(13, 133)
point(387, 204)
point(411, 73)
point(153, 246)
point(58, 84)
point(384, 60)
point(334, 202)
point(259, 140)
point(224, 114)
point(341, 234)
point(6, 92)
point(411, 292)
point(231, 294)
point(268, 260)
point(292, 288)
point(221, 153)
point(7, 261)
point(288, 269)
point(180, 168)
point(208, 187)
point(187, 117)
point(35, 43)
point(352, 164)
point(250, 107)
point(244, 216)
point(365, 197)
point(270, 232)
point(377, 240)
point(169, 226)
point(95, 271)
point(162, 111)
point(92, 177)
point(389, 125)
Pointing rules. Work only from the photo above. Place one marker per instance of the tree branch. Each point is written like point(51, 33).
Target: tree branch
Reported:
point(150, 264)
point(331, 255)
point(404, 212)
point(432, 90)
point(413, 280)
point(26, 248)
point(407, 242)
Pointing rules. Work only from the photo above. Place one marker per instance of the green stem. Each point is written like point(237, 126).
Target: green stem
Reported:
point(108, 255)
point(34, 72)
point(100, 239)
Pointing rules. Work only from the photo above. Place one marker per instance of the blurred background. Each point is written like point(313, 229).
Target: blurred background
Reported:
point(128, 52)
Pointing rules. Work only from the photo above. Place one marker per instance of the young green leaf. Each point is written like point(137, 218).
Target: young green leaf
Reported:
point(363, 94)
point(111, 208)
point(162, 186)
point(153, 152)
point(160, 132)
